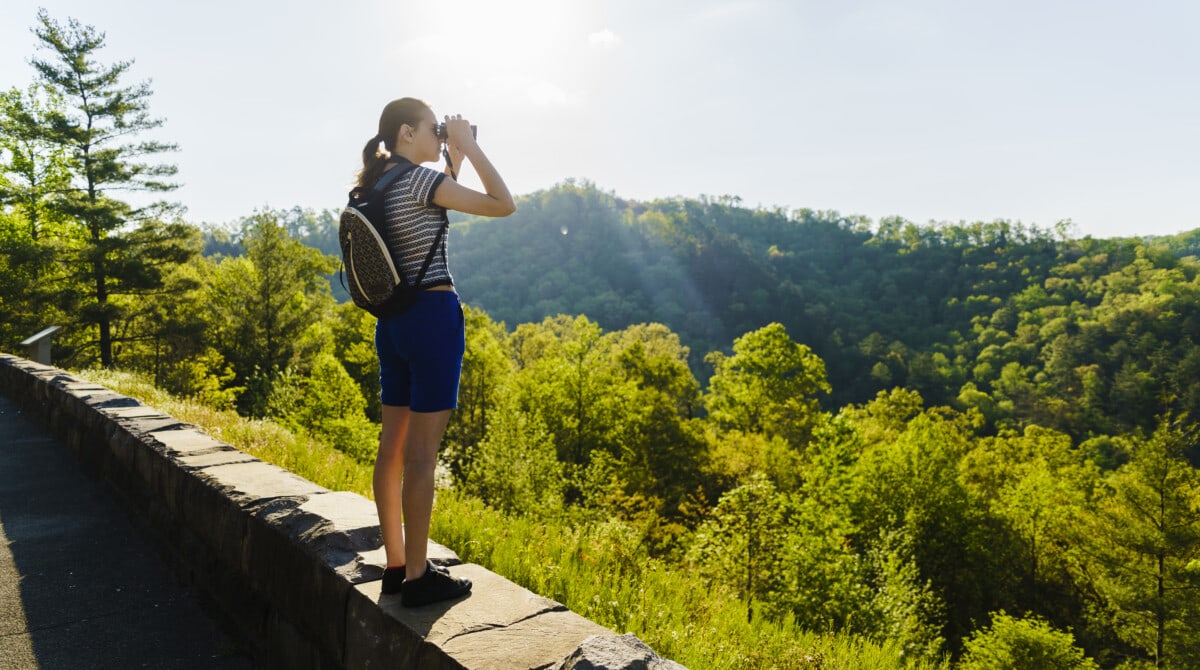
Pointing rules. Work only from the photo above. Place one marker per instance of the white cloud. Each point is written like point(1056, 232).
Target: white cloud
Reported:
point(605, 39)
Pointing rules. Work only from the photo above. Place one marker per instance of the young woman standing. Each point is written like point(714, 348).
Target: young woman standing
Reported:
point(420, 351)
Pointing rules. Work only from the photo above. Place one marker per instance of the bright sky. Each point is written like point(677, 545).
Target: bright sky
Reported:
point(946, 110)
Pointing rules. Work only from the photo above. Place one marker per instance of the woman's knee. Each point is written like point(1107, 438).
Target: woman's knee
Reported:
point(420, 460)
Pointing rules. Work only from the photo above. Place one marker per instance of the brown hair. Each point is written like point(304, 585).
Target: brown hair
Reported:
point(395, 114)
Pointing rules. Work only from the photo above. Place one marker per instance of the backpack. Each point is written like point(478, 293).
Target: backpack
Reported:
point(375, 283)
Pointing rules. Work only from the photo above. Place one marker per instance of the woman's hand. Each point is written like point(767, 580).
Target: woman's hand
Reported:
point(459, 137)
point(456, 156)
point(496, 201)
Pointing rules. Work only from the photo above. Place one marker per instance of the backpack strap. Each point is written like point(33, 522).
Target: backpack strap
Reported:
point(391, 175)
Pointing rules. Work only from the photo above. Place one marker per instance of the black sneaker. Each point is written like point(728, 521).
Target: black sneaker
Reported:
point(434, 586)
point(393, 578)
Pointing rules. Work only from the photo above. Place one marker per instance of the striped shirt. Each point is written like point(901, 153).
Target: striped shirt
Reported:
point(412, 222)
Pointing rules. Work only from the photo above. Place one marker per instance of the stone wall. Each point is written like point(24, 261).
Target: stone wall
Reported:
point(294, 567)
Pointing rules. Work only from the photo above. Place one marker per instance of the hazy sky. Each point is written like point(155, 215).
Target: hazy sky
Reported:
point(930, 110)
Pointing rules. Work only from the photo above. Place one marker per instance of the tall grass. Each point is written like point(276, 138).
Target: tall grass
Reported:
point(597, 569)
point(262, 438)
point(600, 572)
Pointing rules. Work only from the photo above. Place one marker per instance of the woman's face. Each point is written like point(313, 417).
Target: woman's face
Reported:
point(426, 145)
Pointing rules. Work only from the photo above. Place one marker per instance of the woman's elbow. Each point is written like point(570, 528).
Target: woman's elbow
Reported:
point(503, 208)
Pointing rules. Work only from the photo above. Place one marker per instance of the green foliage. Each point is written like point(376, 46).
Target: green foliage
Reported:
point(912, 485)
point(1026, 325)
point(1144, 535)
point(1016, 644)
point(600, 571)
point(486, 367)
point(769, 385)
point(270, 308)
point(735, 456)
point(904, 606)
point(1037, 484)
point(36, 169)
point(516, 467)
point(326, 403)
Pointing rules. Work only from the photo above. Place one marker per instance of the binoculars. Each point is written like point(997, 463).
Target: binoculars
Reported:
point(441, 131)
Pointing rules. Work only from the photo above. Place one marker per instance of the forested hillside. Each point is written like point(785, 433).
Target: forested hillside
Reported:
point(1028, 325)
point(969, 444)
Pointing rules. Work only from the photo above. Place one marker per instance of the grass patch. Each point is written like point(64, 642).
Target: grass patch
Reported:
point(601, 572)
point(262, 438)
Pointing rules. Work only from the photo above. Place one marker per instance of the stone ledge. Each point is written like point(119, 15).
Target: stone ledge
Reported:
point(294, 565)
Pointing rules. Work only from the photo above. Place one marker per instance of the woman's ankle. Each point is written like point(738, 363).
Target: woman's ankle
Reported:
point(419, 568)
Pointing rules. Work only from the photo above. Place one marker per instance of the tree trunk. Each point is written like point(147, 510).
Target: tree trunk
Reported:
point(106, 357)
point(1160, 615)
point(750, 564)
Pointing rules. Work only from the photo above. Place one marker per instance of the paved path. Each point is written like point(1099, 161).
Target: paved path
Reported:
point(80, 586)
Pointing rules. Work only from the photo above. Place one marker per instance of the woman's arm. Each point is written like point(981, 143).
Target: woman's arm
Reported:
point(497, 201)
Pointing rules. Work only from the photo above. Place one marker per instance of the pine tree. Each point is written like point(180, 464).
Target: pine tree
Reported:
point(97, 128)
point(1145, 545)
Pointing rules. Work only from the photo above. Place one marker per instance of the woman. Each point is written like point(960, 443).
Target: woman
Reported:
point(420, 351)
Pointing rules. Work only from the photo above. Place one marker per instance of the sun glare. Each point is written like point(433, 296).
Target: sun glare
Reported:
point(532, 47)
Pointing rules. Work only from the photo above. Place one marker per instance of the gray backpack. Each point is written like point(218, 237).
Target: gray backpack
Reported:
point(375, 283)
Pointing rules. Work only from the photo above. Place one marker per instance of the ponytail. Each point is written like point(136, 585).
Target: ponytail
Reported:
point(373, 161)
point(395, 114)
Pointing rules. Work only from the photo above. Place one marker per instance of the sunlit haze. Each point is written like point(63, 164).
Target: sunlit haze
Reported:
point(946, 111)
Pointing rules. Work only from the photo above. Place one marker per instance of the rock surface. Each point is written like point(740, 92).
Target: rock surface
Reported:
point(616, 652)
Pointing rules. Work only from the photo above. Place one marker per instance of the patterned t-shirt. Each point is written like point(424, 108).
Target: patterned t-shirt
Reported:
point(411, 224)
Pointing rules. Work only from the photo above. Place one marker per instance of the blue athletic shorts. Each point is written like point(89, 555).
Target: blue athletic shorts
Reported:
point(421, 352)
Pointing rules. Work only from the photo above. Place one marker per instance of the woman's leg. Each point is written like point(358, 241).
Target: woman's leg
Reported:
point(387, 481)
point(425, 431)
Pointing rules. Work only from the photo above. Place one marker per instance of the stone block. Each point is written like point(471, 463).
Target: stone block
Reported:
point(185, 441)
point(292, 574)
point(135, 412)
point(78, 386)
point(499, 625)
point(247, 484)
point(340, 527)
point(150, 424)
point(293, 649)
point(219, 523)
point(224, 456)
point(616, 652)
point(159, 464)
point(111, 400)
point(123, 450)
point(376, 641)
point(533, 643)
